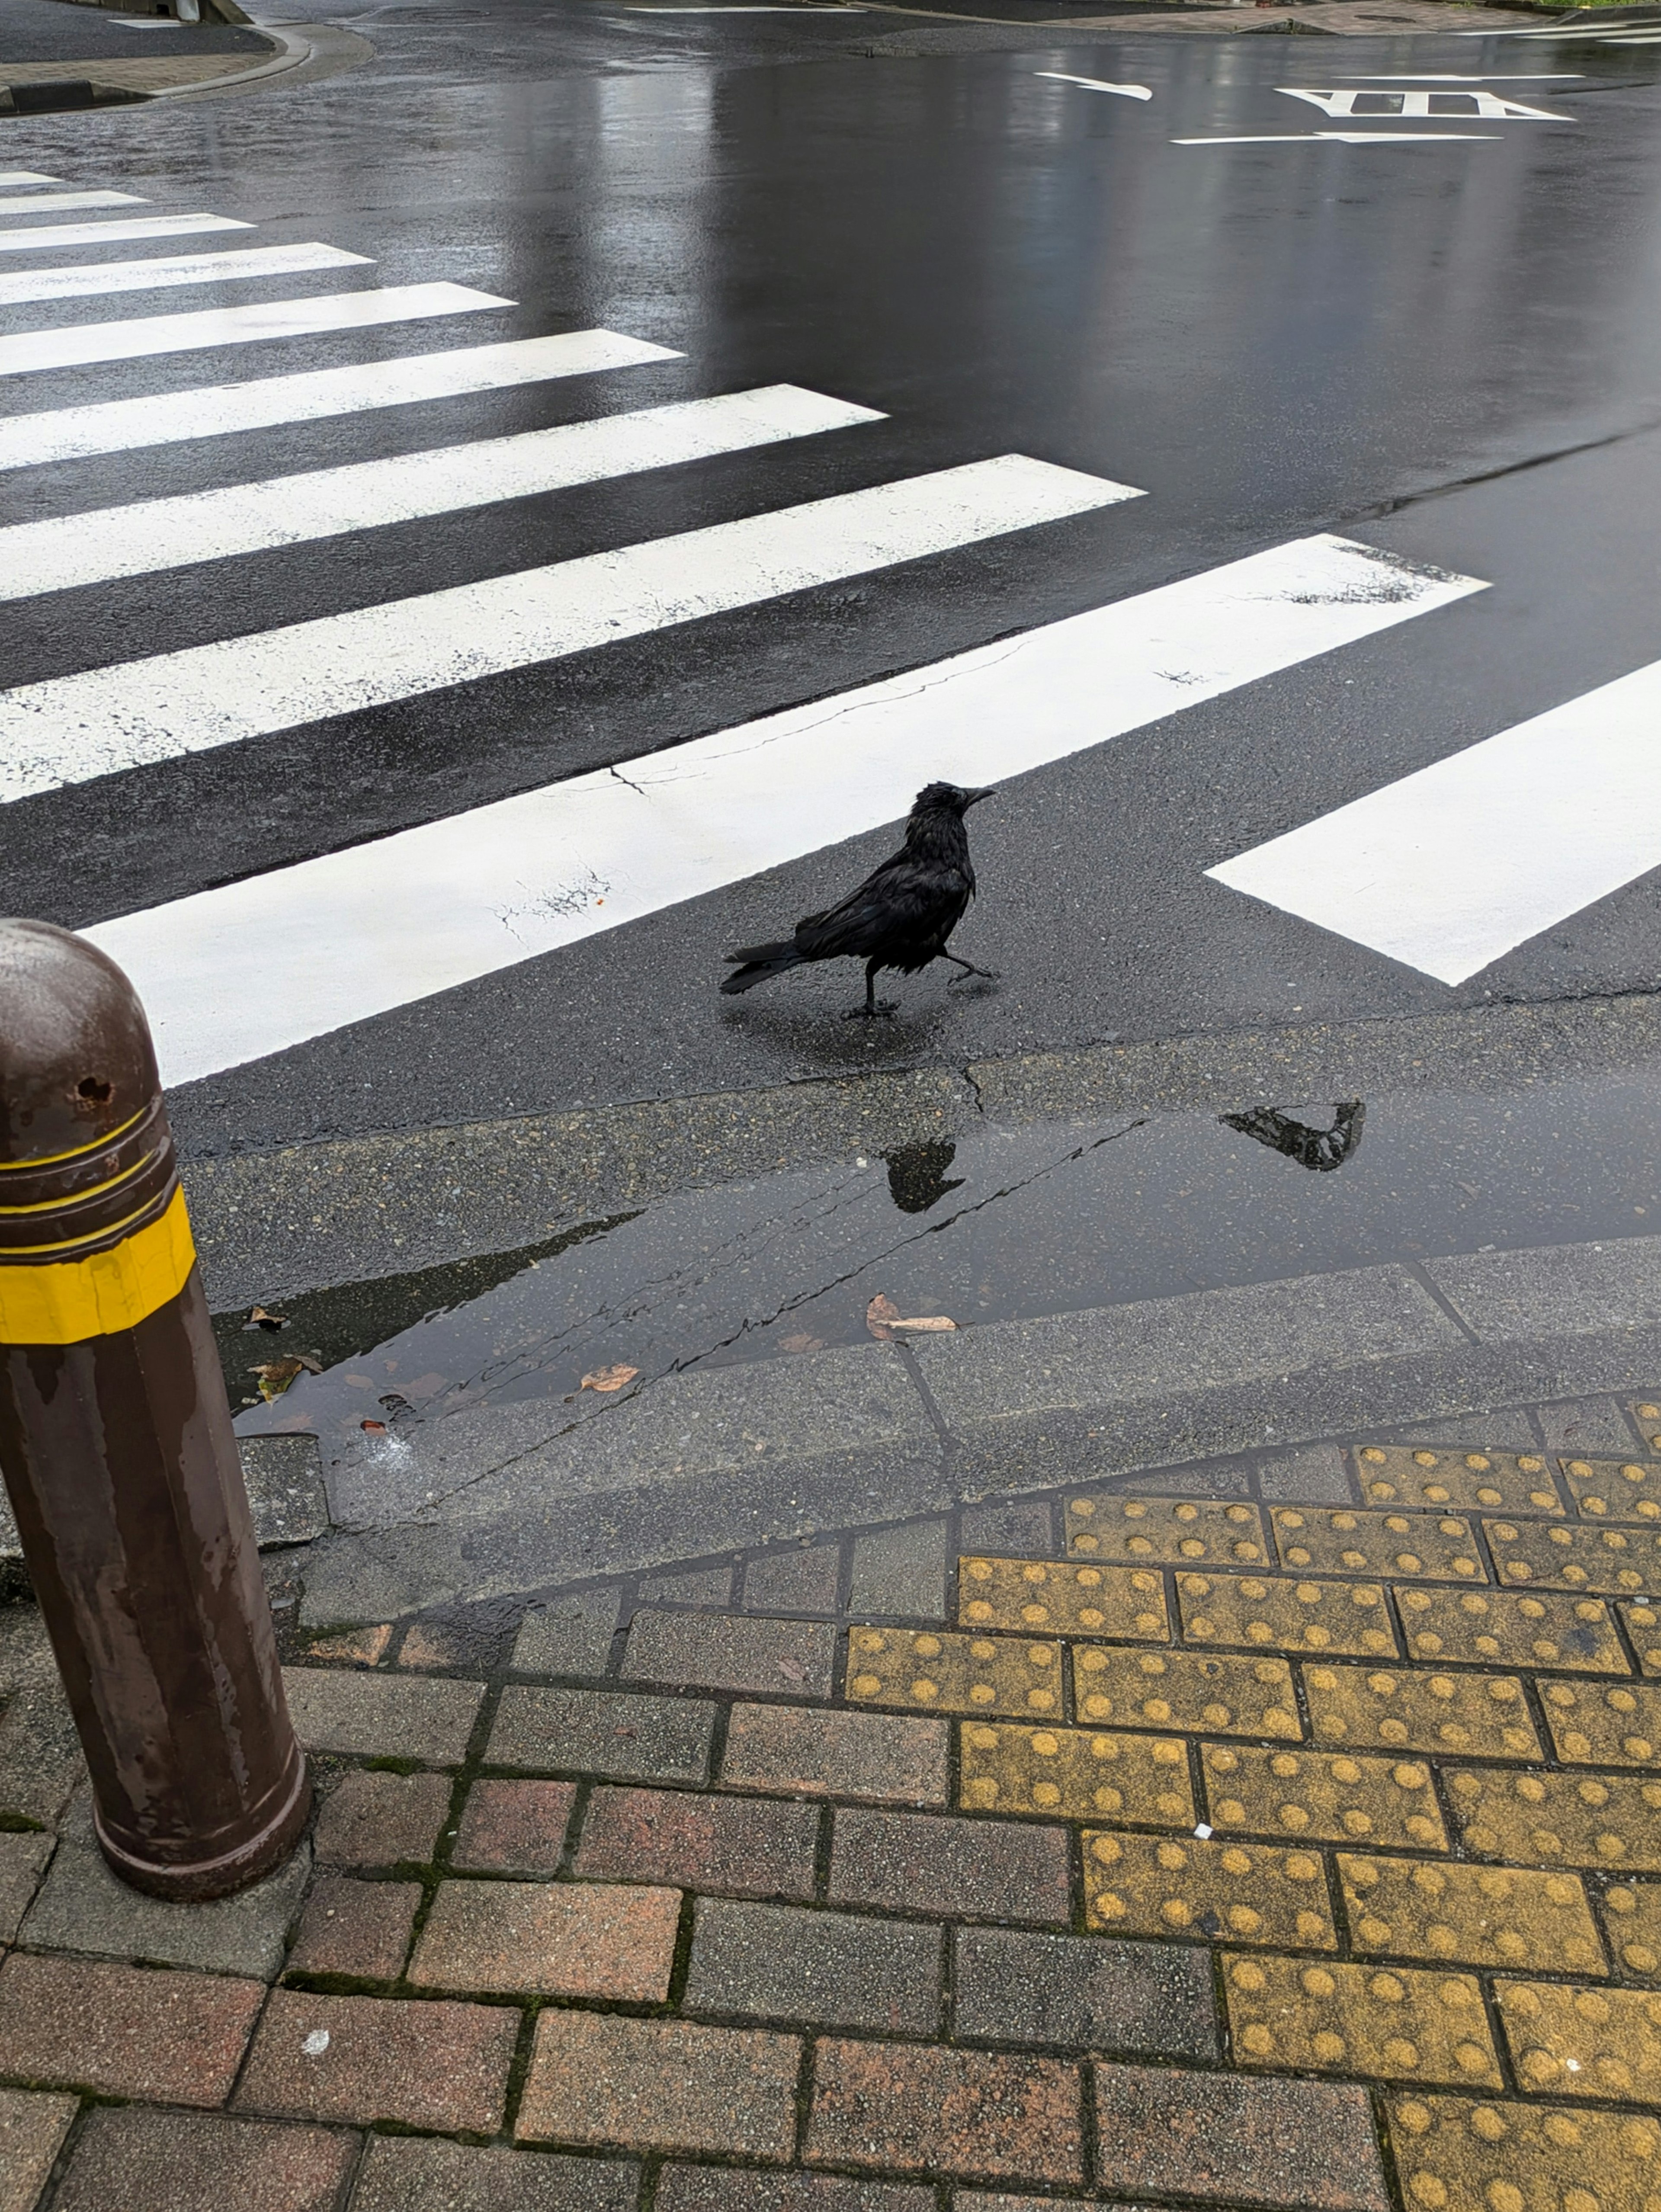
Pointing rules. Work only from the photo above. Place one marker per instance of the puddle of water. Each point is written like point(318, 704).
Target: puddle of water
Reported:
point(1003, 1223)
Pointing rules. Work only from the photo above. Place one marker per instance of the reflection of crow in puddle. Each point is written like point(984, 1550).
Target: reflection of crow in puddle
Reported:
point(916, 1176)
point(1320, 1149)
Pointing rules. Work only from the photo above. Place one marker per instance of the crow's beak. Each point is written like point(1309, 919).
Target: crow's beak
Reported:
point(976, 797)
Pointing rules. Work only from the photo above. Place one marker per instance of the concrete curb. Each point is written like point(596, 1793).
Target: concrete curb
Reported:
point(318, 50)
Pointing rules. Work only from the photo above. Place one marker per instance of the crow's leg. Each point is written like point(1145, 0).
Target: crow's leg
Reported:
point(990, 975)
point(873, 1005)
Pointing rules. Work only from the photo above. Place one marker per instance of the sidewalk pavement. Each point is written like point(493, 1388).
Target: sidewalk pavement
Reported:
point(1276, 1831)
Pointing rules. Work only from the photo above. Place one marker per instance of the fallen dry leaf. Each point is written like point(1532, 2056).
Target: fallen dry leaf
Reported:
point(259, 1318)
point(607, 1379)
point(375, 1428)
point(801, 1342)
point(276, 1375)
point(883, 1317)
point(926, 1321)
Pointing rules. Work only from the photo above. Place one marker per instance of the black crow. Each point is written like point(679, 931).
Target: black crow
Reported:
point(899, 917)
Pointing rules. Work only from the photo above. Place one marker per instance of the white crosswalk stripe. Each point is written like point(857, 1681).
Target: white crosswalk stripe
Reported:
point(90, 280)
point(61, 202)
point(112, 230)
point(212, 525)
point(8, 178)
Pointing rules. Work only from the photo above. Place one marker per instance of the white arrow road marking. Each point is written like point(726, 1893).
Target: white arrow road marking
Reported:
point(381, 925)
point(1097, 84)
point(1455, 866)
point(1484, 106)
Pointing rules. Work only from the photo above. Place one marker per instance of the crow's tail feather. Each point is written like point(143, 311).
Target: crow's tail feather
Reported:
point(755, 962)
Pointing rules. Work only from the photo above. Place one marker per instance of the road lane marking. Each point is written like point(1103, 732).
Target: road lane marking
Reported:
point(11, 177)
point(114, 230)
point(395, 921)
point(213, 410)
point(61, 202)
point(71, 728)
point(1348, 138)
point(96, 546)
point(78, 344)
point(1457, 864)
point(95, 278)
point(1097, 84)
point(1485, 106)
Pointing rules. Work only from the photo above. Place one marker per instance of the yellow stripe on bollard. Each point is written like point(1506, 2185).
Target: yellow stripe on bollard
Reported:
point(67, 1301)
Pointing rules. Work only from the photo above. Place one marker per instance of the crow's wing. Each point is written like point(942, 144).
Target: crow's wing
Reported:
point(904, 900)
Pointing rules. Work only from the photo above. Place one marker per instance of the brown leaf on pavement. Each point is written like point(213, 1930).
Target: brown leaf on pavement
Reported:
point(259, 1316)
point(801, 1342)
point(276, 1375)
point(883, 1317)
point(607, 1379)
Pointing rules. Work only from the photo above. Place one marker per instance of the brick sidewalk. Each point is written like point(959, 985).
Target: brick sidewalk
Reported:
point(1263, 1834)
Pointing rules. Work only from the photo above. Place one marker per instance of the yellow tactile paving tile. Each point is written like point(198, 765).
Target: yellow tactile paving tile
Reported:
point(1580, 1557)
point(1646, 1411)
point(1388, 2024)
point(1461, 2154)
point(1595, 1726)
point(1317, 1796)
point(1401, 1709)
point(1239, 1892)
point(1477, 1627)
point(1436, 1547)
point(1186, 1690)
point(1631, 1920)
point(1614, 1489)
point(918, 1671)
point(1054, 1597)
point(1469, 1915)
point(1643, 1624)
point(1506, 1482)
point(1583, 2043)
point(1287, 1612)
point(1165, 1530)
point(1075, 1774)
point(1612, 1820)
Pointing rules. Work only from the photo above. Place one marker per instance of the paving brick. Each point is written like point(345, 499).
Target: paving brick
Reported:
point(728, 2189)
point(1058, 1597)
point(836, 1754)
point(829, 1969)
point(40, 1761)
point(1509, 1629)
point(1474, 1916)
point(1393, 1709)
point(1315, 1474)
point(356, 1928)
point(1614, 1489)
point(1584, 2043)
point(1536, 1554)
point(1287, 1613)
point(725, 1846)
point(1307, 2144)
point(1075, 1774)
point(143, 2161)
point(935, 1671)
point(1436, 1547)
point(1632, 1914)
point(1391, 2025)
point(901, 1572)
point(22, 1862)
point(730, 1651)
point(801, 1581)
point(1585, 1424)
point(1085, 1993)
point(1557, 1819)
point(1321, 1796)
point(1185, 1690)
point(1021, 1525)
point(32, 2127)
point(1644, 1627)
point(124, 2031)
point(1455, 2154)
point(1154, 1886)
point(402, 2174)
point(1594, 1725)
point(614, 1733)
point(382, 1716)
point(710, 1586)
point(1145, 1531)
point(916, 2108)
point(549, 1938)
point(957, 1869)
point(1471, 1482)
point(569, 1635)
point(513, 1827)
point(438, 2066)
point(661, 2084)
point(383, 1820)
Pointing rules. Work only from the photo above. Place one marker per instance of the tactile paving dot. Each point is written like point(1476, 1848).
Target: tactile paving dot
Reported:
point(1557, 1819)
point(1239, 1892)
point(1614, 1489)
point(1583, 2043)
point(1644, 1627)
point(1284, 1613)
point(1456, 2155)
point(1054, 1597)
point(1317, 1796)
point(1177, 1530)
point(1592, 1726)
point(1579, 1557)
point(1185, 1690)
point(1391, 2023)
point(1075, 1774)
point(1632, 1917)
point(1473, 1915)
point(926, 1672)
point(1504, 1482)
point(1370, 1708)
point(1438, 1547)
point(1478, 1626)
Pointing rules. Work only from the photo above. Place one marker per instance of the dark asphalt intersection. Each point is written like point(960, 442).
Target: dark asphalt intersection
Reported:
point(1445, 352)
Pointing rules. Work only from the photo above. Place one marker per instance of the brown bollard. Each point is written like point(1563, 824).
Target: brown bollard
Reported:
point(117, 1447)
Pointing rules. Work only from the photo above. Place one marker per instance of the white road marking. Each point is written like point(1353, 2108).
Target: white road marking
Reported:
point(61, 202)
point(95, 547)
point(1097, 84)
point(71, 728)
point(212, 410)
point(1485, 106)
point(1457, 864)
point(1350, 138)
point(359, 932)
point(79, 343)
point(11, 177)
point(95, 278)
point(113, 230)
point(1427, 77)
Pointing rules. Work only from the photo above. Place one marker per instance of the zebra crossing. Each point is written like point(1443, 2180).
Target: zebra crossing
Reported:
point(421, 910)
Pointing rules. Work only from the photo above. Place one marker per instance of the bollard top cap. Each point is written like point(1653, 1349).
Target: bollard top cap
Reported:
point(77, 1063)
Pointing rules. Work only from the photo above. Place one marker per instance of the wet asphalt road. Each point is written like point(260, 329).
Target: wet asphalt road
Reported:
point(1449, 351)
